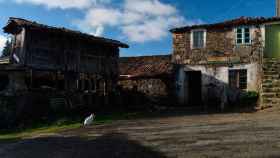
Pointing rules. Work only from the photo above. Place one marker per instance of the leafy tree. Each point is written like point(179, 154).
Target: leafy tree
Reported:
point(7, 49)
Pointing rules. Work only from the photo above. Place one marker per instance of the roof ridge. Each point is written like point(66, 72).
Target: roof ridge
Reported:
point(26, 22)
point(242, 20)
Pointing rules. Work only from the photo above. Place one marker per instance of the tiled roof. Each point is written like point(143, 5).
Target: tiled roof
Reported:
point(15, 23)
point(229, 24)
point(145, 66)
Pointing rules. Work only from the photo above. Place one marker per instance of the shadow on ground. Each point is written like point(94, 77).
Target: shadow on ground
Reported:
point(107, 146)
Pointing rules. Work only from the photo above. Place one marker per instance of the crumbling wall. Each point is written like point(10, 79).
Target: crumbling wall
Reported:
point(149, 87)
point(215, 82)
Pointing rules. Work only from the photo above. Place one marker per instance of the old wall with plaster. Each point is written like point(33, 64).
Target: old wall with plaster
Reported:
point(215, 80)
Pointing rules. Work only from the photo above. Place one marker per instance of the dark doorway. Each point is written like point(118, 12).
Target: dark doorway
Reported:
point(193, 88)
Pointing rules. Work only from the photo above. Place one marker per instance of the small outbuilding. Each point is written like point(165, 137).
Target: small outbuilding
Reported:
point(52, 69)
point(149, 75)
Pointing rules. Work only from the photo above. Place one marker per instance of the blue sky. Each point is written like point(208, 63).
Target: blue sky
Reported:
point(143, 24)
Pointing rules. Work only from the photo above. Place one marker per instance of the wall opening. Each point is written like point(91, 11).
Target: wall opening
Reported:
point(193, 86)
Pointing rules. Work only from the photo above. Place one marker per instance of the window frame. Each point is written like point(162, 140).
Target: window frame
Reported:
point(237, 78)
point(192, 38)
point(243, 35)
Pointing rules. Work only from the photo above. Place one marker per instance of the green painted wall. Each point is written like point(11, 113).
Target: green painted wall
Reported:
point(272, 41)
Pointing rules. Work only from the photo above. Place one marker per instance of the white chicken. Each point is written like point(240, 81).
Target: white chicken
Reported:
point(89, 120)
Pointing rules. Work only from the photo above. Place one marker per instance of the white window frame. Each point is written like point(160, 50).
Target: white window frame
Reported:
point(243, 35)
point(204, 40)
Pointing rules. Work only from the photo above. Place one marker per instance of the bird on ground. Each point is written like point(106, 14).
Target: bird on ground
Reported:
point(89, 120)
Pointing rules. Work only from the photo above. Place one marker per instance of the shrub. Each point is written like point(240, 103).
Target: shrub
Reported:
point(249, 98)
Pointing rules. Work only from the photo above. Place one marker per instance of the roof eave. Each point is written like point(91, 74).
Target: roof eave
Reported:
point(13, 25)
point(228, 24)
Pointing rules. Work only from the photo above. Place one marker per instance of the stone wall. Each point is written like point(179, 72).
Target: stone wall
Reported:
point(270, 92)
point(220, 47)
point(150, 87)
point(220, 55)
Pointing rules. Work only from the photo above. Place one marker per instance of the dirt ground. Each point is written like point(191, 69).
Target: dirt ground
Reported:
point(195, 136)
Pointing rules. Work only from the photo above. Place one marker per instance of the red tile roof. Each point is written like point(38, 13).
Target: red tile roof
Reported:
point(229, 24)
point(145, 66)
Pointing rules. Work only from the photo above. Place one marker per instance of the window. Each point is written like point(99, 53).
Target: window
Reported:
point(238, 79)
point(243, 35)
point(198, 39)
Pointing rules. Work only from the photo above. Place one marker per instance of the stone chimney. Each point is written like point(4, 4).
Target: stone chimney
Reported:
point(278, 8)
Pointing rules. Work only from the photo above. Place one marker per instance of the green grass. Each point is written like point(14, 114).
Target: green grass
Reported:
point(32, 131)
point(61, 125)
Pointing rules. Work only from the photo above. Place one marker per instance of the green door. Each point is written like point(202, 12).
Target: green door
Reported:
point(272, 41)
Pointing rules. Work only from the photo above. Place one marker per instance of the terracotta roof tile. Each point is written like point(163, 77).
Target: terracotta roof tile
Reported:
point(145, 66)
point(229, 23)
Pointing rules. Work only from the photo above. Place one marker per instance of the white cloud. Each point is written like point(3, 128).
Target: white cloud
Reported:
point(97, 18)
point(138, 20)
point(153, 7)
point(63, 4)
point(131, 17)
point(148, 31)
point(3, 40)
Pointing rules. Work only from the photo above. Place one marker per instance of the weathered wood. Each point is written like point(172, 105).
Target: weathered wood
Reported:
point(74, 61)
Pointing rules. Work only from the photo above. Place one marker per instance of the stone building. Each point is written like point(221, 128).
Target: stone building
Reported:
point(149, 75)
point(215, 63)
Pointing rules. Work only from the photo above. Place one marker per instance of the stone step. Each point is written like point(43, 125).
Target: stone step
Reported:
point(270, 84)
point(271, 101)
point(270, 64)
point(268, 88)
point(267, 84)
point(269, 95)
point(267, 106)
point(275, 76)
point(271, 90)
point(267, 81)
point(270, 60)
point(270, 73)
point(270, 69)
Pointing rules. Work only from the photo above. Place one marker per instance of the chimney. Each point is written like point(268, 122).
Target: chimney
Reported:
point(278, 8)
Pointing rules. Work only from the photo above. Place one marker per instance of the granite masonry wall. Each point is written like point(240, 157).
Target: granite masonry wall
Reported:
point(150, 87)
point(220, 47)
point(220, 55)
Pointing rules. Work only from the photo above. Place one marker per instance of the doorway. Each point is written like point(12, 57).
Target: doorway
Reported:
point(193, 88)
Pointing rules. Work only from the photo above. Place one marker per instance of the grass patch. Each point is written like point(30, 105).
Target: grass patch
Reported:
point(61, 125)
point(28, 132)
